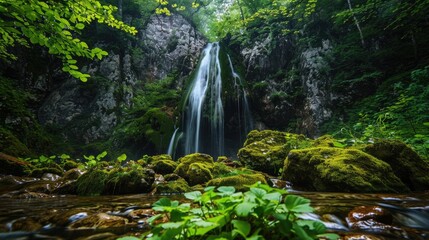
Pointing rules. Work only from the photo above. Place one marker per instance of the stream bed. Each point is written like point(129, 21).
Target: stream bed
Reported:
point(109, 217)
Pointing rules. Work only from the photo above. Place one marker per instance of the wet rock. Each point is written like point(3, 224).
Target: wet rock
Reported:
point(50, 177)
point(101, 236)
point(100, 220)
point(339, 170)
point(92, 182)
point(266, 150)
point(195, 168)
point(405, 162)
point(12, 165)
point(362, 236)
point(127, 181)
point(358, 215)
point(175, 186)
point(164, 166)
point(238, 181)
point(72, 174)
point(28, 224)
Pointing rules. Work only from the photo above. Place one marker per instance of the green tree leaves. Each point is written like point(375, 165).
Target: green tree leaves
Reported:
point(55, 25)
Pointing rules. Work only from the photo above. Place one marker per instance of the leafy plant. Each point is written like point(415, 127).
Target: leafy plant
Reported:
point(260, 213)
point(92, 161)
point(42, 161)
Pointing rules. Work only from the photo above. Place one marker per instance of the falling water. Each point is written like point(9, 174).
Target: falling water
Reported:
point(244, 115)
point(206, 112)
point(172, 144)
point(207, 85)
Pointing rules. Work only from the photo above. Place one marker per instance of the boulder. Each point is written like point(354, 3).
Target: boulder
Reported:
point(129, 181)
point(266, 150)
point(405, 162)
point(176, 186)
point(240, 181)
point(340, 170)
point(195, 168)
point(163, 164)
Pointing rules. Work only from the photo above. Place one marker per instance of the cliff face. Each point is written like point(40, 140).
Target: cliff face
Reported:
point(83, 113)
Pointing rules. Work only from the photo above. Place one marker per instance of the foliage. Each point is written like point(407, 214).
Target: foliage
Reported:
point(398, 111)
point(222, 213)
point(93, 161)
point(54, 25)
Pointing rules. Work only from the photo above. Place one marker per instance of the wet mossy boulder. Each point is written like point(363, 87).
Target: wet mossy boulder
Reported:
point(405, 162)
point(339, 170)
point(129, 180)
point(47, 168)
point(163, 164)
point(92, 183)
point(195, 168)
point(176, 186)
point(240, 181)
point(266, 150)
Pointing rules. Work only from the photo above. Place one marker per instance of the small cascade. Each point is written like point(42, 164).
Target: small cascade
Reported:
point(206, 111)
point(244, 115)
point(173, 143)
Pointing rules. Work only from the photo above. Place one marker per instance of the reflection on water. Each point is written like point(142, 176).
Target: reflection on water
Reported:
point(47, 212)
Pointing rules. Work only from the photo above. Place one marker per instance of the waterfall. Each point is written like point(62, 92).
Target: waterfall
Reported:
point(206, 84)
point(172, 144)
point(244, 115)
point(206, 111)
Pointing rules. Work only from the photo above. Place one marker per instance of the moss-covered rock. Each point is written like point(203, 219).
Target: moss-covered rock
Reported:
point(405, 162)
point(12, 165)
point(340, 170)
point(239, 181)
point(163, 164)
point(266, 150)
point(177, 186)
point(199, 173)
point(195, 168)
point(69, 164)
point(127, 181)
point(91, 183)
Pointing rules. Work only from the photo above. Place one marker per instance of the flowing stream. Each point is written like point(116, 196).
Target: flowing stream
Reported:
point(52, 217)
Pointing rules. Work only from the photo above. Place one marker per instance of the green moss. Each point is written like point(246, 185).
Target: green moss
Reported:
point(127, 181)
point(240, 182)
point(177, 186)
point(405, 162)
point(266, 150)
point(91, 183)
point(151, 159)
point(12, 145)
point(164, 166)
point(220, 169)
point(38, 172)
point(199, 173)
point(342, 170)
point(70, 164)
point(186, 161)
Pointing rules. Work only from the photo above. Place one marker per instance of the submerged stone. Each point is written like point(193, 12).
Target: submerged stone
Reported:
point(340, 170)
point(405, 162)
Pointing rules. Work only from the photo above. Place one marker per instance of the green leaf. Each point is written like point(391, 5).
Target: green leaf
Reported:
point(297, 204)
point(426, 123)
point(300, 232)
point(163, 202)
point(226, 189)
point(101, 155)
point(172, 225)
point(245, 208)
point(80, 26)
point(329, 236)
point(122, 158)
point(241, 227)
point(275, 196)
point(128, 238)
point(258, 192)
point(195, 195)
